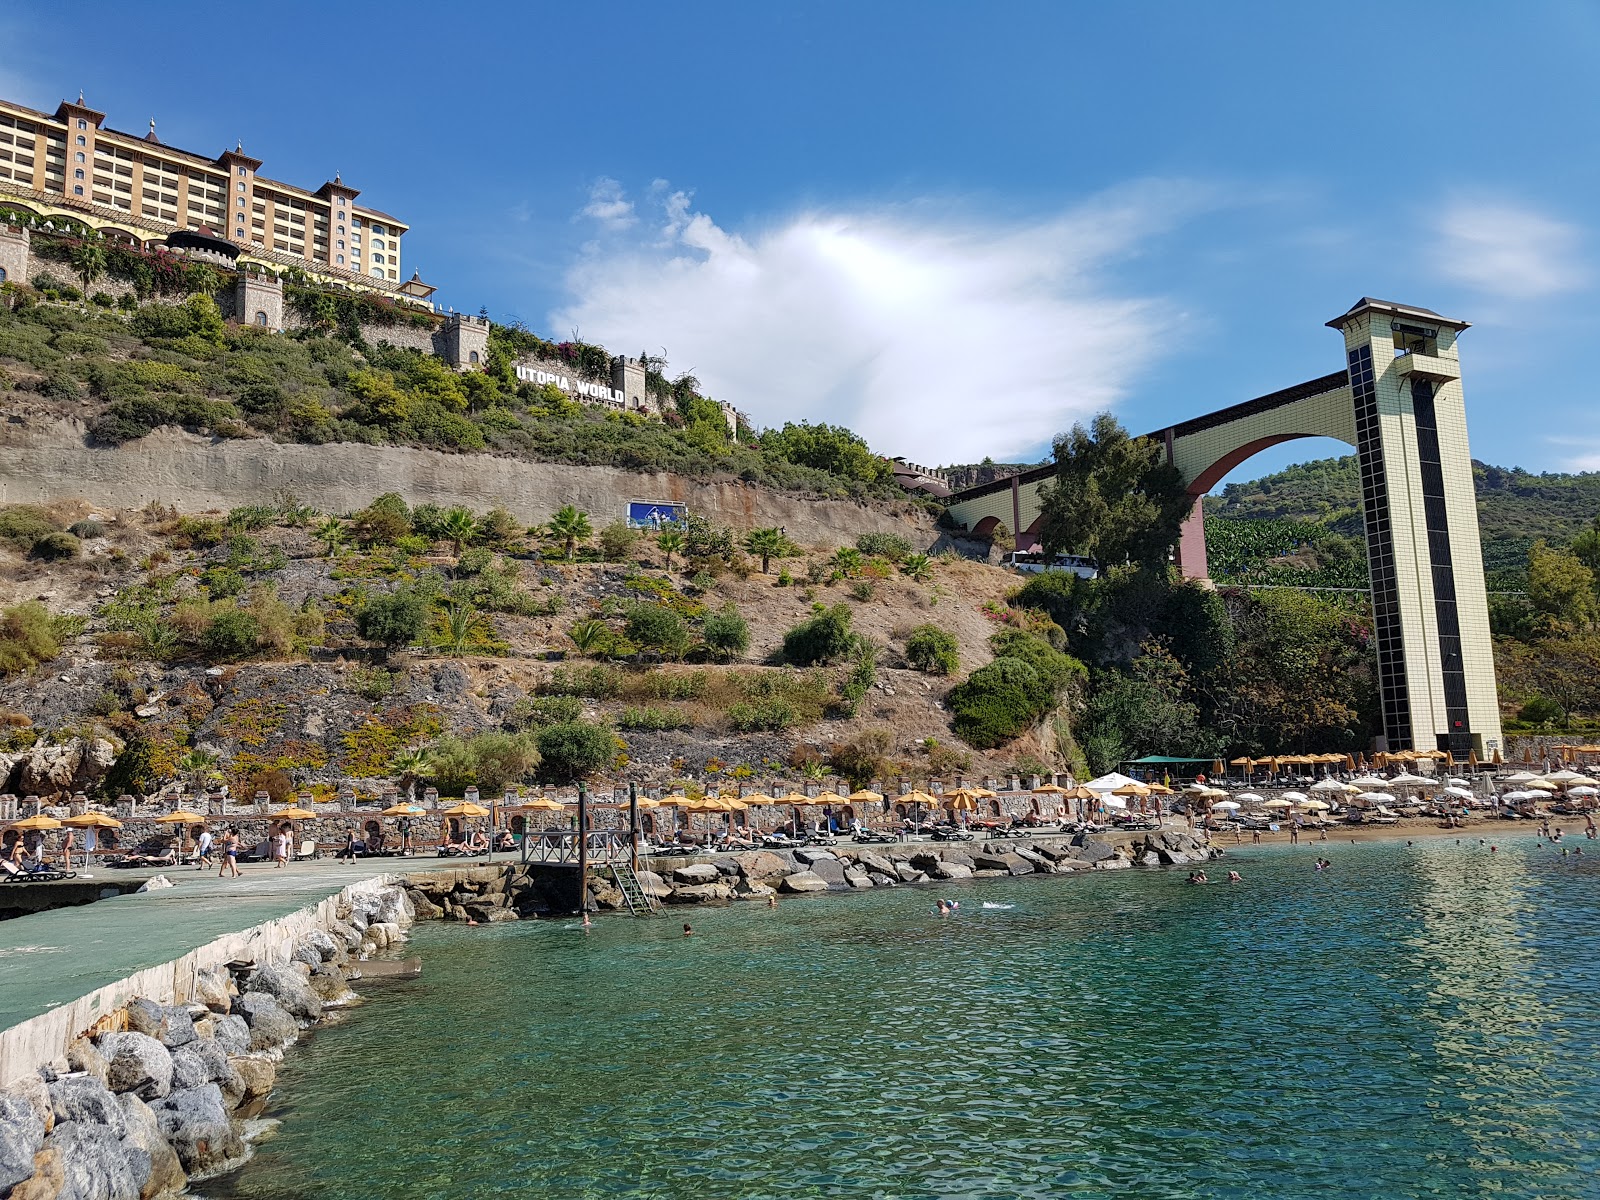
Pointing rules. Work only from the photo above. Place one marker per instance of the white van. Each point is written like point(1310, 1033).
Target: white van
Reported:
point(1032, 562)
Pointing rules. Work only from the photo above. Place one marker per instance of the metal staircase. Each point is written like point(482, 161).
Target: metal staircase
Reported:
point(640, 903)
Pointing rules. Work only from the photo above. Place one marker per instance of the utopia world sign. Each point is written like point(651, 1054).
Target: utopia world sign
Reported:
point(573, 387)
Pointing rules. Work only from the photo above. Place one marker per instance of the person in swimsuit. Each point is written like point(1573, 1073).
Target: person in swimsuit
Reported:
point(230, 853)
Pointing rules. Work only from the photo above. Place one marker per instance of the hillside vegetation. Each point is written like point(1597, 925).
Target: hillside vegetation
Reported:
point(125, 371)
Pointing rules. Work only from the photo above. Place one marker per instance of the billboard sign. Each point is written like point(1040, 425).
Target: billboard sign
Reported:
point(656, 514)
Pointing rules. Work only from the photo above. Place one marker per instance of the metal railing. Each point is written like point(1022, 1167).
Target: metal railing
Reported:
point(561, 846)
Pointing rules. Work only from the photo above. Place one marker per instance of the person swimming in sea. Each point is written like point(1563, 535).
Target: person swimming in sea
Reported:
point(1235, 877)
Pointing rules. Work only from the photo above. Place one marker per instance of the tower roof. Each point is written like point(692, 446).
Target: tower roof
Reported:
point(1396, 312)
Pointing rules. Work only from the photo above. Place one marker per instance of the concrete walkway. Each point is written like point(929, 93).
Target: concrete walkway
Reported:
point(51, 958)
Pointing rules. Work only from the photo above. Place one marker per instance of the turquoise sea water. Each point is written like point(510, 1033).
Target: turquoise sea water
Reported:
point(1415, 1022)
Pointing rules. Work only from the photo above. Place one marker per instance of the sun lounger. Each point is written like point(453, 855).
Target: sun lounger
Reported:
point(10, 873)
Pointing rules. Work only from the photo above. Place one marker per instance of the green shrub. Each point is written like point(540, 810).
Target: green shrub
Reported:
point(884, 545)
point(1057, 670)
point(997, 702)
point(232, 634)
point(933, 650)
point(727, 634)
point(56, 546)
point(761, 716)
point(657, 628)
point(825, 638)
point(574, 750)
point(651, 717)
point(21, 525)
point(87, 529)
point(535, 712)
point(619, 541)
point(222, 582)
point(29, 635)
point(373, 683)
point(592, 683)
point(393, 619)
point(863, 590)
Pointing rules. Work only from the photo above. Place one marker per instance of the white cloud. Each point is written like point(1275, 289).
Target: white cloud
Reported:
point(1504, 250)
point(609, 206)
point(937, 337)
point(1584, 452)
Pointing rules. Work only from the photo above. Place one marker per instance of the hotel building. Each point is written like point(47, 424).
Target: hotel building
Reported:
point(71, 164)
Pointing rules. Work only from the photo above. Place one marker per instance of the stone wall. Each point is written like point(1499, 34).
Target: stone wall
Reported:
point(43, 461)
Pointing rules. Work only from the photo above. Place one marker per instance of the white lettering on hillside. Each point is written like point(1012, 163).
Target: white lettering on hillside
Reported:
point(578, 387)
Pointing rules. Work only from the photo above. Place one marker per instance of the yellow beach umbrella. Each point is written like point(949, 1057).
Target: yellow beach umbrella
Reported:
point(403, 810)
point(180, 817)
point(1132, 788)
point(1050, 789)
point(290, 814)
point(760, 800)
point(865, 796)
point(828, 798)
point(37, 821)
point(465, 809)
point(960, 800)
point(93, 820)
point(545, 804)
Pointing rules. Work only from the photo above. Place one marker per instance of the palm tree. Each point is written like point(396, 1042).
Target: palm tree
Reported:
point(768, 543)
point(590, 637)
point(847, 560)
point(917, 567)
point(459, 617)
point(569, 526)
point(460, 526)
point(670, 541)
point(198, 768)
point(88, 260)
point(331, 534)
point(410, 765)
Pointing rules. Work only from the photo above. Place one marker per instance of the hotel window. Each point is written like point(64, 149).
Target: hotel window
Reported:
point(241, 187)
point(378, 271)
point(377, 258)
point(82, 124)
point(341, 201)
point(82, 141)
point(78, 174)
point(241, 172)
point(77, 189)
point(377, 243)
point(341, 243)
point(341, 260)
point(356, 222)
point(241, 201)
point(377, 229)
point(78, 157)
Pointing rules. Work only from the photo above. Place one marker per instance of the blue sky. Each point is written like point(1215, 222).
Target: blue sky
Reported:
point(954, 227)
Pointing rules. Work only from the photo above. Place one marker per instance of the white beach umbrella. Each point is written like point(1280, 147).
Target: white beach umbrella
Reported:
point(1565, 775)
point(1296, 797)
point(1519, 777)
point(1521, 795)
point(1584, 790)
point(1374, 798)
point(1226, 804)
point(1248, 798)
point(1367, 782)
point(1113, 802)
point(1580, 780)
point(1409, 780)
point(1457, 781)
point(1327, 785)
point(1459, 792)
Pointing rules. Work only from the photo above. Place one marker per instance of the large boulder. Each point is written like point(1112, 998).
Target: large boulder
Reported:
point(425, 908)
point(320, 941)
point(21, 1135)
point(802, 882)
point(214, 989)
point(231, 1033)
point(197, 1126)
point(696, 873)
point(137, 1063)
point(86, 1101)
point(1034, 859)
point(747, 889)
point(1095, 849)
point(811, 857)
point(872, 861)
point(270, 1025)
point(256, 1073)
point(909, 872)
point(831, 870)
point(218, 1069)
point(858, 877)
point(144, 1133)
point(289, 988)
point(763, 865)
point(83, 1057)
point(146, 1017)
point(927, 861)
point(188, 1069)
point(699, 893)
point(952, 870)
point(96, 1164)
point(654, 886)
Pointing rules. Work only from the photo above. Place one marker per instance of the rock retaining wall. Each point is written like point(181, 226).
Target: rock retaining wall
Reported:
point(140, 1087)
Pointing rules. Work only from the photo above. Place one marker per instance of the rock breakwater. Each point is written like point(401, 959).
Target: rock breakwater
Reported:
point(157, 1094)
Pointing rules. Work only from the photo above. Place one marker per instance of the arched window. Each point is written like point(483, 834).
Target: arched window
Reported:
point(78, 157)
point(82, 124)
point(82, 141)
point(2, 274)
point(341, 243)
point(77, 189)
point(241, 172)
point(261, 318)
point(472, 356)
point(77, 173)
point(341, 260)
point(378, 271)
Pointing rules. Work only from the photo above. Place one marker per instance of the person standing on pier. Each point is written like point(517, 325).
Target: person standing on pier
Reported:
point(230, 853)
point(203, 848)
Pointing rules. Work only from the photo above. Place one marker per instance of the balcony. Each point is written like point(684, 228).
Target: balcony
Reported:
point(1426, 366)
